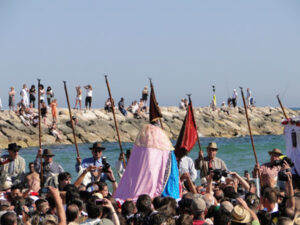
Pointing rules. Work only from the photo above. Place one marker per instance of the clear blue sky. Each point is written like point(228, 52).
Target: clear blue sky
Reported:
point(185, 46)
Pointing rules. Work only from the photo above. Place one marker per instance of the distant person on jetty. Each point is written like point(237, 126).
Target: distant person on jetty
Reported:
point(210, 162)
point(53, 106)
point(44, 111)
point(11, 99)
point(234, 98)
point(269, 171)
point(12, 165)
point(50, 95)
point(182, 104)
point(0, 104)
point(54, 131)
point(121, 106)
point(89, 95)
point(24, 95)
point(108, 105)
point(50, 168)
point(42, 93)
point(248, 97)
point(78, 97)
point(145, 97)
point(32, 93)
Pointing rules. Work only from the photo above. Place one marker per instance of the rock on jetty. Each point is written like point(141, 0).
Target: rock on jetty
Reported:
point(98, 125)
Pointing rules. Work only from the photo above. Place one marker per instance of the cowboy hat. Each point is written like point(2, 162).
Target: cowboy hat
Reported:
point(275, 151)
point(212, 145)
point(48, 152)
point(13, 147)
point(97, 145)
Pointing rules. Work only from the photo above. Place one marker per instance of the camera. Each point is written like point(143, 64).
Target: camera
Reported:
point(105, 164)
point(281, 161)
point(218, 173)
point(45, 190)
point(282, 176)
point(99, 201)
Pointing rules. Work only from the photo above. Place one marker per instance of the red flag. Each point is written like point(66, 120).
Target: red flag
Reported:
point(188, 134)
point(154, 110)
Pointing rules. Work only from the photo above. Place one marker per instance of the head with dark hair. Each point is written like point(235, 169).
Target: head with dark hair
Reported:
point(18, 203)
point(72, 213)
point(16, 190)
point(185, 219)
point(157, 202)
point(94, 211)
point(77, 202)
point(252, 201)
point(188, 195)
point(64, 178)
point(168, 207)
point(143, 204)
point(157, 218)
point(284, 221)
point(222, 217)
point(185, 206)
point(42, 205)
point(230, 192)
point(128, 208)
point(9, 218)
point(264, 217)
point(103, 188)
point(72, 192)
point(270, 198)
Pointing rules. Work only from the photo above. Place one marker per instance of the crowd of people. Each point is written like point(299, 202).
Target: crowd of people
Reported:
point(45, 195)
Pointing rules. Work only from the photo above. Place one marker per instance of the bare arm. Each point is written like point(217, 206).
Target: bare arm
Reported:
point(187, 177)
point(242, 181)
point(59, 206)
point(115, 218)
point(79, 180)
point(244, 204)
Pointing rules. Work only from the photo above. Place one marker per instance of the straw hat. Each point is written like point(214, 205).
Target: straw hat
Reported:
point(240, 215)
point(275, 151)
point(5, 185)
point(97, 145)
point(212, 145)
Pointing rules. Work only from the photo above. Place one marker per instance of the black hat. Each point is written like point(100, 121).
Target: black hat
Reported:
point(13, 147)
point(97, 145)
point(48, 152)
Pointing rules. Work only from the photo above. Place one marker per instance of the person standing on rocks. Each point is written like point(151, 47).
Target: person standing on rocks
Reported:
point(248, 97)
point(24, 94)
point(145, 97)
point(50, 95)
point(78, 97)
point(32, 93)
point(210, 162)
point(88, 98)
point(234, 98)
point(12, 165)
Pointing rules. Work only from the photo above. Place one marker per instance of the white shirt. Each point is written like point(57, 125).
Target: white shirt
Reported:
point(135, 108)
point(186, 165)
point(89, 92)
point(235, 95)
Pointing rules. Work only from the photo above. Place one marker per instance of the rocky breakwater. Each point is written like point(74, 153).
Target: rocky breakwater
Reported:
point(98, 125)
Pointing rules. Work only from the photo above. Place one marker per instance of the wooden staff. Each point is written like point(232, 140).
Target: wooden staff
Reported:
point(71, 119)
point(115, 120)
point(251, 136)
point(40, 131)
point(282, 108)
point(198, 139)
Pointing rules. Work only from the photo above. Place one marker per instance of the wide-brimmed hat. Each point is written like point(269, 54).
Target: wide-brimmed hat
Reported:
point(13, 147)
point(48, 152)
point(97, 145)
point(212, 145)
point(275, 151)
point(240, 215)
point(5, 185)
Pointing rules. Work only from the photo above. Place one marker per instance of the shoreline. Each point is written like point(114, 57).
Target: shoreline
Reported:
point(98, 125)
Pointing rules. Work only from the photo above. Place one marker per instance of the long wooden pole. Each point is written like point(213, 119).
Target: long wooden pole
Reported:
point(282, 108)
point(40, 132)
point(251, 136)
point(71, 119)
point(115, 120)
point(198, 139)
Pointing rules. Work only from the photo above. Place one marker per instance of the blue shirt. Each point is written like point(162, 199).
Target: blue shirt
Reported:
point(91, 161)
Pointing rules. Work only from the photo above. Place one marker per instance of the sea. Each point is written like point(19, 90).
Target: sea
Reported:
point(236, 152)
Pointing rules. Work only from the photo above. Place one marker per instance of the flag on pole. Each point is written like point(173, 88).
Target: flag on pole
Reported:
point(154, 110)
point(188, 134)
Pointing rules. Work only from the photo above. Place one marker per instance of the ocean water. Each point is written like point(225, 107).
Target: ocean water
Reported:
point(236, 152)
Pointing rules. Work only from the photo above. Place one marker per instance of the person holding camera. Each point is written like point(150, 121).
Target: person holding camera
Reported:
point(268, 172)
point(210, 162)
point(103, 171)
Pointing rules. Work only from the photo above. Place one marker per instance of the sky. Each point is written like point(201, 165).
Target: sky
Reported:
point(184, 46)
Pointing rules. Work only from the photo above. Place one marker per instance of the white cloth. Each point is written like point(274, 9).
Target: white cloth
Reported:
point(235, 94)
point(89, 92)
point(186, 165)
point(119, 167)
point(24, 94)
point(291, 151)
point(134, 108)
point(0, 103)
